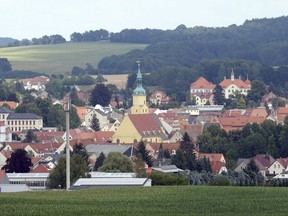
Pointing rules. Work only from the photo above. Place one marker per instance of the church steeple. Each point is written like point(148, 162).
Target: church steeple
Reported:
point(139, 90)
point(139, 96)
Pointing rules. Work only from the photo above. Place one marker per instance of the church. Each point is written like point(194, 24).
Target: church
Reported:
point(139, 124)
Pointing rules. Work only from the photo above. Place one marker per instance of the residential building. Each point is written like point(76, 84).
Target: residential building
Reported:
point(158, 98)
point(36, 83)
point(202, 91)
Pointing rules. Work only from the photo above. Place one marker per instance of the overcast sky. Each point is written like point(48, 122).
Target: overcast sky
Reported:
point(34, 18)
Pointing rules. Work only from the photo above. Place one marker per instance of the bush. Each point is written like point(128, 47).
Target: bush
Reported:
point(159, 178)
point(220, 181)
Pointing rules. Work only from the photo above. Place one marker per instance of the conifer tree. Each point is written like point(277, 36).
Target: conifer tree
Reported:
point(145, 154)
point(95, 125)
point(99, 161)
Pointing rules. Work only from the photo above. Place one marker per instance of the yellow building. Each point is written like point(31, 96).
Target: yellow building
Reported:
point(139, 96)
point(134, 128)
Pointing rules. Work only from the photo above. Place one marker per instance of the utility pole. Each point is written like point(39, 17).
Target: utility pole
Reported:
point(67, 104)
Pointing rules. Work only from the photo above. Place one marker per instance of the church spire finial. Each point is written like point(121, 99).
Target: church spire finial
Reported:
point(139, 90)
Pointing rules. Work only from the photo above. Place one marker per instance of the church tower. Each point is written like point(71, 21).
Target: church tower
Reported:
point(139, 96)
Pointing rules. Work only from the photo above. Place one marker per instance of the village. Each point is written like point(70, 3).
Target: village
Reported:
point(122, 131)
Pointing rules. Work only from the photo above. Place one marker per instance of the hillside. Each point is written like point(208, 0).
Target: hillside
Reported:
point(173, 200)
point(60, 58)
point(6, 40)
point(261, 40)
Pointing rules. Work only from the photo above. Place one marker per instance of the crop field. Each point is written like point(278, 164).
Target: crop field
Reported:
point(60, 58)
point(180, 200)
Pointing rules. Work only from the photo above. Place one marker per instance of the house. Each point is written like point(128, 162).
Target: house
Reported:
point(36, 83)
point(40, 94)
point(202, 91)
point(158, 98)
point(281, 114)
point(100, 114)
point(5, 133)
point(137, 127)
point(278, 166)
point(283, 175)
point(233, 85)
point(153, 148)
point(217, 161)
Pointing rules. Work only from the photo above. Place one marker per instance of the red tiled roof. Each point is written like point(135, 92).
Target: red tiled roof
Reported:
point(212, 157)
point(239, 83)
point(40, 169)
point(216, 166)
point(282, 110)
point(11, 104)
point(202, 83)
point(283, 161)
point(145, 122)
point(265, 159)
point(42, 80)
point(234, 123)
point(169, 146)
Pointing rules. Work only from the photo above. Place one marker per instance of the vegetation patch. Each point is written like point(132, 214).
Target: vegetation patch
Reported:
point(171, 200)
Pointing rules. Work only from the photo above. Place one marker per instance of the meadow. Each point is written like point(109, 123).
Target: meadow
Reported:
point(60, 58)
point(176, 200)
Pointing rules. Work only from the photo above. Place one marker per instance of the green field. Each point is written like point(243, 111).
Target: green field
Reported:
point(180, 200)
point(60, 58)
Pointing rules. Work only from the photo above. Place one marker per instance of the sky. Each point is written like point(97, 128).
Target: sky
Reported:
point(21, 19)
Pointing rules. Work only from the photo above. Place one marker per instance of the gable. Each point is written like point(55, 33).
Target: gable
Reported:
point(126, 129)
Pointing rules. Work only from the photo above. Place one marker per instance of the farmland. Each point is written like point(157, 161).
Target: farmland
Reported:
point(181, 200)
point(60, 58)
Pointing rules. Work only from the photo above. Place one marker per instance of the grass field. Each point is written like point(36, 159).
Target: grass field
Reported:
point(185, 200)
point(60, 58)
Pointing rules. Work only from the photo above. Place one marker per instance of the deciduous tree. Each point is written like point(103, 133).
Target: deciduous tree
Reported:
point(19, 162)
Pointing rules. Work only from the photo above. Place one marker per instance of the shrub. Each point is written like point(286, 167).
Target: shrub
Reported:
point(220, 181)
point(159, 178)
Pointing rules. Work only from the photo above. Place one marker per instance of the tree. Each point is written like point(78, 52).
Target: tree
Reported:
point(78, 169)
point(219, 97)
point(100, 95)
point(116, 162)
point(74, 98)
point(252, 170)
point(30, 137)
point(100, 78)
point(80, 150)
point(258, 90)
point(145, 154)
point(5, 65)
point(95, 124)
point(185, 157)
point(99, 161)
point(161, 152)
point(19, 162)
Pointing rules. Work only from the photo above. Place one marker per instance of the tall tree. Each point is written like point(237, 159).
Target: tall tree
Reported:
point(79, 169)
point(116, 162)
point(145, 154)
point(95, 124)
point(99, 161)
point(19, 162)
point(5, 65)
point(100, 95)
point(30, 137)
point(186, 157)
point(258, 89)
point(219, 97)
point(80, 150)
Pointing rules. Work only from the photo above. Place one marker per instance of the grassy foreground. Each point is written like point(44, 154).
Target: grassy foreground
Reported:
point(185, 200)
point(60, 58)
